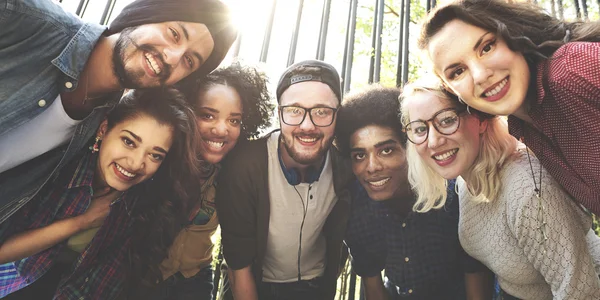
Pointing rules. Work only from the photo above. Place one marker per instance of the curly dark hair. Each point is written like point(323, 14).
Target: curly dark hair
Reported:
point(251, 84)
point(373, 105)
point(525, 26)
point(162, 200)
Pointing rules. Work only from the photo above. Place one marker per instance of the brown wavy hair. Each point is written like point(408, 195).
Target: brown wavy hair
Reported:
point(161, 203)
point(525, 27)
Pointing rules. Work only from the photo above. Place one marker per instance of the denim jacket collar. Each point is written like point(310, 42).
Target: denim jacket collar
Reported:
point(81, 45)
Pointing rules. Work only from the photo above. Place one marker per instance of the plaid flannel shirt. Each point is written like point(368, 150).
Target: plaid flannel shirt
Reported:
point(98, 273)
point(420, 253)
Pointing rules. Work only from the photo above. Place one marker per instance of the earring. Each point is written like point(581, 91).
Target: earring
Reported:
point(95, 147)
point(468, 109)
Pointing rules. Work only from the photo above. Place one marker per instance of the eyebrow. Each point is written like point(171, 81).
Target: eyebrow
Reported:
point(378, 145)
point(477, 44)
point(217, 111)
point(139, 139)
point(187, 38)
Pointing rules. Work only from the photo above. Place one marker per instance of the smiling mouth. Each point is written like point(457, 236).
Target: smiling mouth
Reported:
point(496, 89)
point(379, 183)
point(307, 140)
point(214, 145)
point(124, 172)
point(153, 63)
point(445, 155)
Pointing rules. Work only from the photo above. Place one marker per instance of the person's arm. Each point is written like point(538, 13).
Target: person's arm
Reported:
point(374, 289)
point(242, 283)
point(33, 241)
point(479, 286)
point(553, 238)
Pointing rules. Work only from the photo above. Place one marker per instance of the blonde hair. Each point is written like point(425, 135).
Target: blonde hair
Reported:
point(497, 148)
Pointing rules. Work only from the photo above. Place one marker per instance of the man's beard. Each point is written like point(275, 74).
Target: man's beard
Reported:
point(304, 159)
point(132, 79)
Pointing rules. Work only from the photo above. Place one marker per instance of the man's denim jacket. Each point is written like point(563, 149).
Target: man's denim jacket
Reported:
point(43, 50)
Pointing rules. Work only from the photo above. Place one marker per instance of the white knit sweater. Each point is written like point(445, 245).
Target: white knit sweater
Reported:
point(504, 235)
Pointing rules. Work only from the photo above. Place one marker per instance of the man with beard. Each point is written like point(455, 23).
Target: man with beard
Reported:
point(420, 252)
point(282, 200)
point(59, 76)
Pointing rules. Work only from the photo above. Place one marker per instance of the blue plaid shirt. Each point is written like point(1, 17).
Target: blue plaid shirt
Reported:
point(420, 252)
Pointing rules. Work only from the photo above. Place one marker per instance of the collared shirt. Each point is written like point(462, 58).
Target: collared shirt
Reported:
point(99, 271)
point(566, 113)
point(43, 50)
point(420, 253)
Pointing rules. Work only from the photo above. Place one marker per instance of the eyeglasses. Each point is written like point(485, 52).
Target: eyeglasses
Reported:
point(445, 121)
point(319, 116)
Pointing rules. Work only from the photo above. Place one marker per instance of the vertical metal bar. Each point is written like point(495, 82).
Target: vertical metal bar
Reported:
point(267, 38)
point(343, 74)
point(560, 9)
point(400, 41)
point(380, 10)
point(405, 41)
point(577, 9)
point(352, 289)
point(110, 5)
point(295, 33)
point(323, 31)
point(433, 4)
point(238, 45)
point(81, 8)
point(373, 42)
point(350, 46)
point(428, 6)
point(584, 9)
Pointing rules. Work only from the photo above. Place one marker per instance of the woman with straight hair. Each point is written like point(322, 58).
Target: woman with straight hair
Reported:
point(512, 58)
point(514, 217)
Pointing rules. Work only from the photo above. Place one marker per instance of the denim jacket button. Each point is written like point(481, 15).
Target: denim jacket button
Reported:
point(42, 103)
point(68, 85)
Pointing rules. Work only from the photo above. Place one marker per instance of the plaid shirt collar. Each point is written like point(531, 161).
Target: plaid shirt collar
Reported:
point(83, 174)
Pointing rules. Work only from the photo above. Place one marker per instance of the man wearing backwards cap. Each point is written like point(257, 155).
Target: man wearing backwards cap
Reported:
point(283, 201)
point(59, 76)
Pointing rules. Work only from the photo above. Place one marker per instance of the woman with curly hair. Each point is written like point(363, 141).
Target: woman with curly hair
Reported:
point(231, 104)
point(512, 58)
point(72, 240)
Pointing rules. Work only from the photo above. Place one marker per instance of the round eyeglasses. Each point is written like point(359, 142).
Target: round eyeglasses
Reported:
point(319, 116)
point(445, 121)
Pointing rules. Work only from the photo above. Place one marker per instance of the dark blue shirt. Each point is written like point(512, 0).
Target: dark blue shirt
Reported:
point(420, 252)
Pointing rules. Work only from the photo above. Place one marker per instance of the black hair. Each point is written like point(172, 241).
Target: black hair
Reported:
point(374, 105)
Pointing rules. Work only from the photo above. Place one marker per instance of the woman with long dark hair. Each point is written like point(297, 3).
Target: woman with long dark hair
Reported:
point(74, 240)
point(514, 59)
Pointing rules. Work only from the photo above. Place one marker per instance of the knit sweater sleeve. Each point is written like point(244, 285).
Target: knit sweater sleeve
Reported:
point(552, 231)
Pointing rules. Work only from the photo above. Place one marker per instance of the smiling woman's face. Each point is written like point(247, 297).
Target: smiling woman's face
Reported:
point(219, 120)
point(448, 155)
point(131, 152)
point(478, 66)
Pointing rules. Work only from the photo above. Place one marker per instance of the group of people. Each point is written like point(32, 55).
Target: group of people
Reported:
point(123, 148)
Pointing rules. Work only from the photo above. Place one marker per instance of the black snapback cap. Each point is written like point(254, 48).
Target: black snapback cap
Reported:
point(327, 74)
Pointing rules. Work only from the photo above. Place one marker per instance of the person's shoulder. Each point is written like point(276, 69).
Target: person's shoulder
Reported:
point(573, 59)
point(43, 10)
point(247, 153)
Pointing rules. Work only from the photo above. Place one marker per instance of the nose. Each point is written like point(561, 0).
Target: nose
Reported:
point(373, 164)
point(480, 73)
point(137, 160)
point(435, 139)
point(307, 124)
point(173, 54)
point(220, 129)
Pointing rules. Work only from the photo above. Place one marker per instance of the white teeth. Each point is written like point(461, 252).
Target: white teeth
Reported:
point(380, 182)
point(215, 145)
point(122, 171)
point(445, 155)
point(497, 89)
point(307, 140)
point(153, 64)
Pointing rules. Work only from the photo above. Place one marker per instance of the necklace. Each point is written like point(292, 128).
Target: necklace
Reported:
point(538, 195)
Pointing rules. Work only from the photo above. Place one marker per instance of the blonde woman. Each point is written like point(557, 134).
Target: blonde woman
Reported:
point(514, 217)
